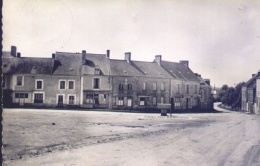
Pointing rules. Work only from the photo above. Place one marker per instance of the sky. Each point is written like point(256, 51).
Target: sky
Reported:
point(219, 38)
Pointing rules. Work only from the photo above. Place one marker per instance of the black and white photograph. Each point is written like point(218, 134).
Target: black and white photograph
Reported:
point(131, 83)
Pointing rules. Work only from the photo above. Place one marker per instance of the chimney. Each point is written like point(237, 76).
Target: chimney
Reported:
point(207, 81)
point(186, 63)
point(53, 56)
point(84, 54)
point(128, 57)
point(13, 51)
point(18, 55)
point(108, 54)
point(158, 59)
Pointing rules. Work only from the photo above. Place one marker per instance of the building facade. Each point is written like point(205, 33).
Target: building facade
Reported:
point(96, 81)
point(250, 99)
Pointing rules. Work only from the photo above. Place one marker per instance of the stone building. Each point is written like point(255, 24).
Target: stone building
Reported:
point(251, 95)
point(95, 81)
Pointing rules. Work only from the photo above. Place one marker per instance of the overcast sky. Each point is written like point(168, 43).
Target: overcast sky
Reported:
point(220, 39)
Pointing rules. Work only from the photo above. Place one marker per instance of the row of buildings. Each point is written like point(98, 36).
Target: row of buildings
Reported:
point(96, 81)
point(250, 95)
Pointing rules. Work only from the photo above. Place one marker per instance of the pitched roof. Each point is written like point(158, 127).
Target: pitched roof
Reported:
point(151, 69)
point(179, 71)
point(122, 68)
point(26, 65)
point(67, 63)
point(252, 81)
point(94, 61)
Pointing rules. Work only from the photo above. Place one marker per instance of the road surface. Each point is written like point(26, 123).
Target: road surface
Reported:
point(55, 137)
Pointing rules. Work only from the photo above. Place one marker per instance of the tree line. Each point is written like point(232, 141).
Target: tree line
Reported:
point(231, 96)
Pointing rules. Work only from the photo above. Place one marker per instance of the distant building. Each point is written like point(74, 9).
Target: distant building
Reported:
point(95, 81)
point(251, 95)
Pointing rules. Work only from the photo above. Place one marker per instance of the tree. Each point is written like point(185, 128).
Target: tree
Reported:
point(231, 96)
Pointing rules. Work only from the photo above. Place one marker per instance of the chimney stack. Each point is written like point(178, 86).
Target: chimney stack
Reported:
point(18, 55)
point(158, 59)
point(108, 54)
point(128, 57)
point(84, 54)
point(184, 62)
point(53, 56)
point(13, 51)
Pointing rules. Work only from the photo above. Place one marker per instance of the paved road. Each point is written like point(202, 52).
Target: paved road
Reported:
point(226, 138)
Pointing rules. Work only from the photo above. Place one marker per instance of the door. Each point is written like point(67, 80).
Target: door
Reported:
point(187, 103)
point(60, 101)
point(96, 99)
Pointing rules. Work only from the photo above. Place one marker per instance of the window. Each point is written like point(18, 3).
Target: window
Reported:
point(62, 84)
point(102, 99)
point(154, 86)
point(121, 86)
point(154, 101)
point(21, 95)
point(177, 102)
point(129, 102)
point(71, 84)
point(129, 86)
point(38, 84)
point(142, 100)
point(71, 99)
point(144, 85)
point(162, 99)
point(162, 86)
point(89, 98)
point(120, 101)
point(19, 80)
point(196, 89)
point(38, 97)
point(97, 72)
point(187, 89)
point(96, 83)
point(178, 88)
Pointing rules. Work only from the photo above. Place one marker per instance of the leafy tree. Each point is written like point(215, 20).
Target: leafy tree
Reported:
point(231, 96)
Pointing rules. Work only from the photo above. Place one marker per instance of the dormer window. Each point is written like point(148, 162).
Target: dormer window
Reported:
point(97, 70)
point(19, 80)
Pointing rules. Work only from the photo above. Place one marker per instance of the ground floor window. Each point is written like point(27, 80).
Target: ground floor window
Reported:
point(129, 102)
point(71, 100)
point(177, 102)
point(21, 95)
point(89, 98)
point(92, 98)
point(102, 98)
point(38, 97)
point(142, 100)
point(120, 101)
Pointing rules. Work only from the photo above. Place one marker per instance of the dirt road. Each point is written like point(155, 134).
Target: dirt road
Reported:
point(53, 137)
